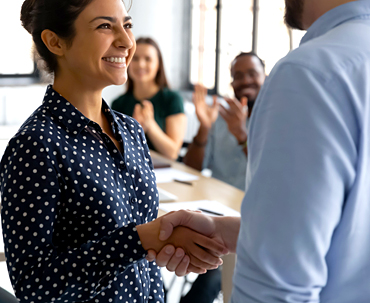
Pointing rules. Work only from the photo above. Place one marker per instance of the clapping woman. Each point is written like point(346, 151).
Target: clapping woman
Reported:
point(149, 100)
point(79, 198)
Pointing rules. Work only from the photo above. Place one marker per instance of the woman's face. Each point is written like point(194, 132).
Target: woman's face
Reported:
point(145, 64)
point(103, 46)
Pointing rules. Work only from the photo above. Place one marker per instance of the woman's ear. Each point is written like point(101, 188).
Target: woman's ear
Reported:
point(53, 42)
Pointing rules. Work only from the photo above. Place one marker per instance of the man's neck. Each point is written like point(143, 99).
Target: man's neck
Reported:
point(314, 9)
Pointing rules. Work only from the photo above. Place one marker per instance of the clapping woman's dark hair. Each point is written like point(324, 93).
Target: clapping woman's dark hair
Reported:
point(58, 16)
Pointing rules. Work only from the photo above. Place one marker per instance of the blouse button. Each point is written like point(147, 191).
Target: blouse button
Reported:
point(133, 200)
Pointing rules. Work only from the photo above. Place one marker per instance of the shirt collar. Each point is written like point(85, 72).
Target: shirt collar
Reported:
point(338, 15)
point(73, 120)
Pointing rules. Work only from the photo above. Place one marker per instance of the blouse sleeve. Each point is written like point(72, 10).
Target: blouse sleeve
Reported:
point(175, 103)
point(39, 270)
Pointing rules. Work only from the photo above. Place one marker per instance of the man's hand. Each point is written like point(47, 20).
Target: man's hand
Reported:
point(227, 229)
point(236, 118)
point(206, 114)
point(202, 250)
point(224, 228)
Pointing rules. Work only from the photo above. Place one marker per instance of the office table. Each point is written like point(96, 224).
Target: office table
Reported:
point(206, 189)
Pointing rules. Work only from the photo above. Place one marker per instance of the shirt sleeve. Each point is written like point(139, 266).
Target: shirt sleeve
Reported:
point(174, 104)
point(302, 159)
point(40, 271)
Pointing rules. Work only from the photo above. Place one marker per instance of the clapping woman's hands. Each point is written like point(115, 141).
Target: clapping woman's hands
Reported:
point(144, 114)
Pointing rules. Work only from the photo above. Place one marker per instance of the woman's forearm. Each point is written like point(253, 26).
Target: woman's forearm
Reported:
point(162, 142)
point(170, 142)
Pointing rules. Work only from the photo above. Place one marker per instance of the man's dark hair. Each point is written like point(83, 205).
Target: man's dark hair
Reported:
point(251, 54)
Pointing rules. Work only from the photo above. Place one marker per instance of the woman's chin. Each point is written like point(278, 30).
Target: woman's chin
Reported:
point(119, 81)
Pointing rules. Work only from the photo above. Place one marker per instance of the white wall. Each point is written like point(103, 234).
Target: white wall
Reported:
point(17, 103)
point(167, 22)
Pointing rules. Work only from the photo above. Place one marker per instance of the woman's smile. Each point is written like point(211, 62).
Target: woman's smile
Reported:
point(116, 62)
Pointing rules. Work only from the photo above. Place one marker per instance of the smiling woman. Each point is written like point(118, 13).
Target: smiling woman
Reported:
point(148, 99)
point(78, 191)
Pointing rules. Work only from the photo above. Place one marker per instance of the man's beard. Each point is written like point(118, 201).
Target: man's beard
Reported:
point(250, 105)
point(293, 13)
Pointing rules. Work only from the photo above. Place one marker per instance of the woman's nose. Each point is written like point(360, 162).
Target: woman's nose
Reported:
point(124, 40)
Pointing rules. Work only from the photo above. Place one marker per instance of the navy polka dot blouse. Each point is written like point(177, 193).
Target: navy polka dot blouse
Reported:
point(70, 204)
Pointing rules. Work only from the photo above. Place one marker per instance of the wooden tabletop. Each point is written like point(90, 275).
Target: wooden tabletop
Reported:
point(204, 188)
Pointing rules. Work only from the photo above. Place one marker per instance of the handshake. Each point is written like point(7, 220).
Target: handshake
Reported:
point(187, 241)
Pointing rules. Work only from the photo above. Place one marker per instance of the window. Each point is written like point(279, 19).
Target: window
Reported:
point(16, 56)
point(221, 29)
point(203, 42)
point(273, 39)
point(236, 35)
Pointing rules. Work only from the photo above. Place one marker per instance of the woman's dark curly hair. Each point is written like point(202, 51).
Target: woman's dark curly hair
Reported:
point(58, 16)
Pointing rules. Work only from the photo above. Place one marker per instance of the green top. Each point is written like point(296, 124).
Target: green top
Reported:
point(165, 103)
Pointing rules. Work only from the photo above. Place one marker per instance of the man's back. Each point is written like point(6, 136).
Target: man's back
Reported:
point(305, 219)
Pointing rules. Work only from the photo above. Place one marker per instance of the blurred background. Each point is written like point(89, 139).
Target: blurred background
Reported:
point(198, 38)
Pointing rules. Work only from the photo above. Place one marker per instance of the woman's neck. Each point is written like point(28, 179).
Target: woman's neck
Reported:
point(87, 101)
point(144, 90)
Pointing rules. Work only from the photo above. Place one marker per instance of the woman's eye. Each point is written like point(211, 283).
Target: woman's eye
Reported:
point(104, 26)
point(128, 25)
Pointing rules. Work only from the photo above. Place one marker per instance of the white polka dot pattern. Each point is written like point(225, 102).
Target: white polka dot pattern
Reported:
point(71, 202)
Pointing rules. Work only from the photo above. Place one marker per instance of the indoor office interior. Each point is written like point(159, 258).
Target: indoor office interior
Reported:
point(198, 39)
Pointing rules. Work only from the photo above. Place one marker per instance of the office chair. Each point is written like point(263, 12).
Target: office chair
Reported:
point(6, 297)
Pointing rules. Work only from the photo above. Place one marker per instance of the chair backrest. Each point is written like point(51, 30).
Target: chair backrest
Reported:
point(6, 297)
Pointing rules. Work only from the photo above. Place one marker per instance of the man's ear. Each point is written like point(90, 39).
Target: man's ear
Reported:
point(53, 42)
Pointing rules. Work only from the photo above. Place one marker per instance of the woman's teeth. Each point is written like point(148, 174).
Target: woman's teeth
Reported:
point(115, 59)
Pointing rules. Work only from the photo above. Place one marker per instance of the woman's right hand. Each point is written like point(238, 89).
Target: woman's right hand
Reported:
point(175, 260)
point(206, 114)
point(138, 115)
point(203, 251)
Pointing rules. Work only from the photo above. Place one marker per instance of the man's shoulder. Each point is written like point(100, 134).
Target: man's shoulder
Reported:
point(339, 49)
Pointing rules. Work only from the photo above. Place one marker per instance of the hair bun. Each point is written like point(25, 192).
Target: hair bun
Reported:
point(27, 14)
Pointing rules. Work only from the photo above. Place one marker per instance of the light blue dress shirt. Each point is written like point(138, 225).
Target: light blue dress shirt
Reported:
point(305, 232)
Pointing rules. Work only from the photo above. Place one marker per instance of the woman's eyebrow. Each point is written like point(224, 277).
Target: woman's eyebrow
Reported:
point(111, 19)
